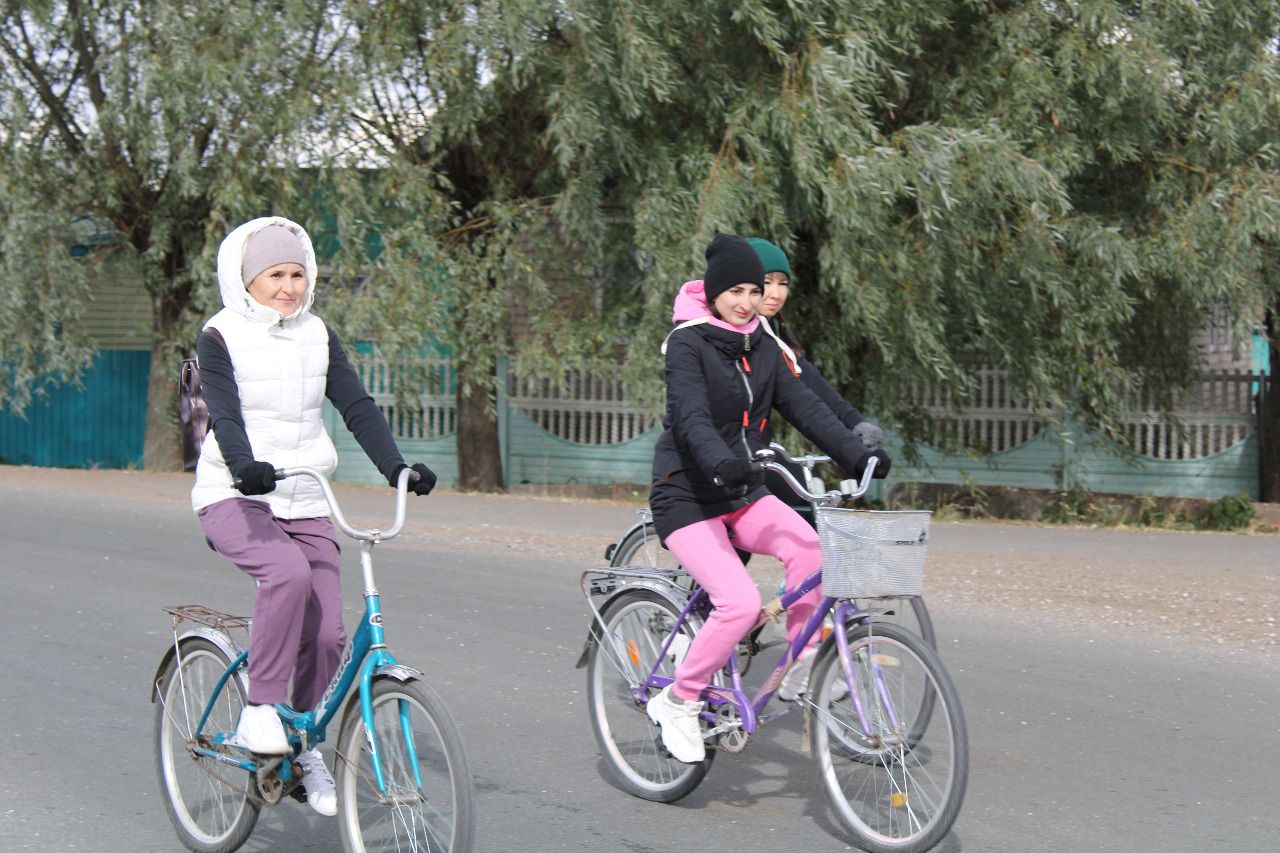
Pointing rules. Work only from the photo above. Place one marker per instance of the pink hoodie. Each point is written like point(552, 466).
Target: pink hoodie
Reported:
point(691, 304)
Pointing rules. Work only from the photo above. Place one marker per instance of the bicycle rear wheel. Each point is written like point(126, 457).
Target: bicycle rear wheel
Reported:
point(637, 625)
point(208, 812)
point(642, 548)
point(429, 804)
point(897, 781)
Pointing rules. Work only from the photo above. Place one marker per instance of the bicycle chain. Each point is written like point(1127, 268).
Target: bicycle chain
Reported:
point(223, 773)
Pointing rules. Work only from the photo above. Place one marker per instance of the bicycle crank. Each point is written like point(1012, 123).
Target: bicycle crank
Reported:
point(730, 737)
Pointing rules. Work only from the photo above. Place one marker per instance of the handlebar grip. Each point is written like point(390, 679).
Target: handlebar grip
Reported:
point(757, 467)
point(236, 482)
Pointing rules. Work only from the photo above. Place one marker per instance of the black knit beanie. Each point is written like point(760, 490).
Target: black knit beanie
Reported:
point(730, 261)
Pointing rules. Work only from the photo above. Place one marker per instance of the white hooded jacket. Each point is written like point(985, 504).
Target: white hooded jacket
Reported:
point(281, 364)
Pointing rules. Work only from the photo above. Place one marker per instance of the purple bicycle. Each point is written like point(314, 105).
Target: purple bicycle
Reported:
point(881, 714)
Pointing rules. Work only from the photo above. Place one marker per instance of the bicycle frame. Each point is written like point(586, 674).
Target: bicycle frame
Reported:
point(749, 708)
point(364, 658)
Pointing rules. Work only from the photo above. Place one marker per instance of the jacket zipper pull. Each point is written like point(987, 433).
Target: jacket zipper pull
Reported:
point(746, 365)
point(746, 342)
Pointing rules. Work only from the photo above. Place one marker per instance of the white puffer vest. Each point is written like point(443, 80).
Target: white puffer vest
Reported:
point(281, 367)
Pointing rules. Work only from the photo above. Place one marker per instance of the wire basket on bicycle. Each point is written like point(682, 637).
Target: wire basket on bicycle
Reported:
point(872, 553)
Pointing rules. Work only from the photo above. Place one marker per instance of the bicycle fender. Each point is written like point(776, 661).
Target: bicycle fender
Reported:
point(613, 549)
point(661, 589)
point(225, 644)
point(398, 671)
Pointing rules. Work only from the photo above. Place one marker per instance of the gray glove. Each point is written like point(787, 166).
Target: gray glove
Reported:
point(868, 433)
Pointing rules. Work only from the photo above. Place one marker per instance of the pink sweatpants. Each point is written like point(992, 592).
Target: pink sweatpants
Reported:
point(297, 610)
point(767, 526)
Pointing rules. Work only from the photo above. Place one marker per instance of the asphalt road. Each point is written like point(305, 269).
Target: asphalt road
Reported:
point(1121, 688)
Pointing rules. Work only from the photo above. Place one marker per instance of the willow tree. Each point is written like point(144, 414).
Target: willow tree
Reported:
point(152, 128)
point(1063, 188)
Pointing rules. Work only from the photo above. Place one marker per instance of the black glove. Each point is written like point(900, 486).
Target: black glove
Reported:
point(422, 484)
point(868, 433)
point(254, 477)
point(739, 473)
point(883, 464)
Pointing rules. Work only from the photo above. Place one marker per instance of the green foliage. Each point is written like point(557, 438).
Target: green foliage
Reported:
point(1228, 513)
point(1065, 188)
point(1077, 506)
point(1081, 507)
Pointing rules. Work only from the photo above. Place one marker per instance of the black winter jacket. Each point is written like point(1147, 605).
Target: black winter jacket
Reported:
point(840, 407)
point(722, 387)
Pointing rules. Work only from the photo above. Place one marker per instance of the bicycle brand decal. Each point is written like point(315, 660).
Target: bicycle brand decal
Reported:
point(337, 680)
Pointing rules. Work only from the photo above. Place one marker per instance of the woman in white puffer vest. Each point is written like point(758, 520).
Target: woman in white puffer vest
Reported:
point(267, 364)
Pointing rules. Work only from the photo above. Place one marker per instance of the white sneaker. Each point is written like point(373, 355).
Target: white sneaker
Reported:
point(261, 731)
point(318, 783)
point(681, 731)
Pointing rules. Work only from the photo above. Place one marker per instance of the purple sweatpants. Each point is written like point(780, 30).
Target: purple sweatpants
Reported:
point(297, 611)
point(767, 526)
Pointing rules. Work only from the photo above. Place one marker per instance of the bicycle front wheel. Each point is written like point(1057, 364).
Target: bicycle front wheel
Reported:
point(429, 802)
point(206, 800)
point(891, 742)
point(908, 612)
point(637, 625)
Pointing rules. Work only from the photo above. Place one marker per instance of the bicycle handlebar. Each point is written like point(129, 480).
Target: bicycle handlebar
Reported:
point(807, 461)
point(373, 534)
point(766, 459)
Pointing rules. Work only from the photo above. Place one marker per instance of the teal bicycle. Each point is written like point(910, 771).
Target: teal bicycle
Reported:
point(400, 768)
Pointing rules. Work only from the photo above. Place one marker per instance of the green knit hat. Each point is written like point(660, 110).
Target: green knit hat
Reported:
point(773, 258)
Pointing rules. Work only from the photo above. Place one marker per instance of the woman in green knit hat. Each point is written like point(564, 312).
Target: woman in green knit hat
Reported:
point(777, 289)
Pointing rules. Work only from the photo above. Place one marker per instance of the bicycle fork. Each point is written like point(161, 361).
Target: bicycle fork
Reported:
point(873, 679)
point(378, 659)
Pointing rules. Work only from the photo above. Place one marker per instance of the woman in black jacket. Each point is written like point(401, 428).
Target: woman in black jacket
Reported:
point(724, 378)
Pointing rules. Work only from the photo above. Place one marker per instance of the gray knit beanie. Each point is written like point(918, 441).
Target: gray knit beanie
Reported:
point(266, 247)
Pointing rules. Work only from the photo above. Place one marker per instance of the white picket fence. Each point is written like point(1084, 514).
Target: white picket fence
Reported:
point(584, 409)
point(419, 399)
point(989, 419)
point(1217, 413)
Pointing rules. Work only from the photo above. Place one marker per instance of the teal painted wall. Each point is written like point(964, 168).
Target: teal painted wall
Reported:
point(536, 456)
point(1062, 458)
point(98, 425)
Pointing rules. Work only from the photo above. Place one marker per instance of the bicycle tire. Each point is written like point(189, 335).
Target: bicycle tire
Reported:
point(908, 612)
point(209, 815)
point(441, 817)
point(901, 790)
point(641, 547)
point(639, 622)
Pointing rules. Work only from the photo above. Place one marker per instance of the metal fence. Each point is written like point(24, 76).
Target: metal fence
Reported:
point(418, 398)
point(1216, 413)
point(582, 408)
